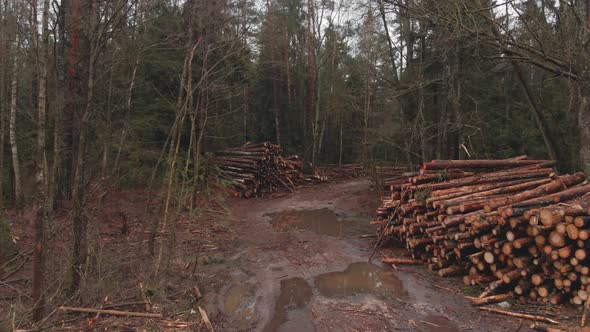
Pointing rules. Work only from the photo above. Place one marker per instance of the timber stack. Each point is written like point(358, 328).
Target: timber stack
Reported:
point(256, 168)
point(344, 171)
point(388, 176)
point(511, 225)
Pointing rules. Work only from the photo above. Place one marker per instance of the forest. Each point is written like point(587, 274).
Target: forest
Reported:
point(100, 96)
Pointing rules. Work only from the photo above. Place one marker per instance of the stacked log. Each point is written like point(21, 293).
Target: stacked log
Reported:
point(344, 171)
point(256, 168)
point(512, 225)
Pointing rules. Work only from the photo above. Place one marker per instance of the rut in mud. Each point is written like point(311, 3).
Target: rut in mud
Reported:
point(300, 264)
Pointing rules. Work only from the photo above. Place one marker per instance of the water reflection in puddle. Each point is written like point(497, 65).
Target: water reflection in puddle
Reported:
point(239, 303)
point(360, 278)
point(320, 221)
point(294, 296)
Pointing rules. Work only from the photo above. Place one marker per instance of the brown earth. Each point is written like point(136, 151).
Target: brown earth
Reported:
point(291, 263)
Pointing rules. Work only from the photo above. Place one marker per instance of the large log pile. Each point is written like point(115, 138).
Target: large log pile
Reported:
point(256, 168)
point(513, 225)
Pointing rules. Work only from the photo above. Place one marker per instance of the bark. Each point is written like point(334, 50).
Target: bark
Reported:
point(274, 78)
point(106, 144)
point(311, 89)
point(72, 100)
point(41, 169)
point(286, 48)
point(316, 122)
point(79, 221)
point(246, 111)
point(3, 103)
point(455, 87)
point(60, 107)
point(584, 125)
point(340, 136)
point(18, 191)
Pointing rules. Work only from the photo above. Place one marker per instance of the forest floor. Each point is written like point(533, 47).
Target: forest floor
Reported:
point(297, 262)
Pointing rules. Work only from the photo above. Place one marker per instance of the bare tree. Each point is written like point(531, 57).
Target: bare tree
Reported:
point(18, 190)
point(41, 162)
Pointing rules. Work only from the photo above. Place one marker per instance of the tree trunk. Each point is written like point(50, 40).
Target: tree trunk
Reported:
point(366, 114)
point(455, 87)
point(59, 109)
point(584, 125)
point(389, 43)
point(537, 113)
point(106, 142)
point(18, 191)
point(274, 78)
point(72, 101)
point(286, 48)
point(246, 111)
point(3, 80)
point(41, 168)
point(340, 141)
point(316, 121)
point(79, 221)
point(311, 90)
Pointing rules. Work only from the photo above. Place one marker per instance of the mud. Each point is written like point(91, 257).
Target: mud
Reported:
point(289, 316)
point(299, 264)
point(320, 221)
point(360, 278)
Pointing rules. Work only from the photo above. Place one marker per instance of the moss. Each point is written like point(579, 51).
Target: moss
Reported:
point(422, 195)
point(443, 175)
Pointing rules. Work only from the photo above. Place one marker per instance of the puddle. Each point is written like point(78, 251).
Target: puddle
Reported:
point(289, 314)
point(360, 278)
point(320, 221)
point(239, 303)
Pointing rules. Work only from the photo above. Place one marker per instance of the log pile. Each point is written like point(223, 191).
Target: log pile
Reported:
point(256, 168)
point(512, 225)
point(345, 171)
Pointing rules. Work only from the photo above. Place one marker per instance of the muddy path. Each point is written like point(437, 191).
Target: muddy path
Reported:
point(298, 263)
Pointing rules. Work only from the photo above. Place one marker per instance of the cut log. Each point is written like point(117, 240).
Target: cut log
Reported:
point(491, 299)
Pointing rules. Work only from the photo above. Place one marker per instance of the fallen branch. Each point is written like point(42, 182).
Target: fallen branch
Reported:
point(124, 304)
point(206, 319)
point(111, 312)
point(393, 260)
point(16, 269)
point(490, 299)
point(519, 315)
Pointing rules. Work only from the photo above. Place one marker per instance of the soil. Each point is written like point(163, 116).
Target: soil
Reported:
point(292, 263)
point(300, 264)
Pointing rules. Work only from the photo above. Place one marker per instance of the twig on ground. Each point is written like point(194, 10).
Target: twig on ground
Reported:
point(519, 315)
point(206, 319)
point(111, 312)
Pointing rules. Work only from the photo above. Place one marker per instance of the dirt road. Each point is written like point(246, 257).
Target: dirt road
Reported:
point(299, 264)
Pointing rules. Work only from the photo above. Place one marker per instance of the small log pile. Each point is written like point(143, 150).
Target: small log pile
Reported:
point(512, 225)
point(256, 168)
point(345, 171)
